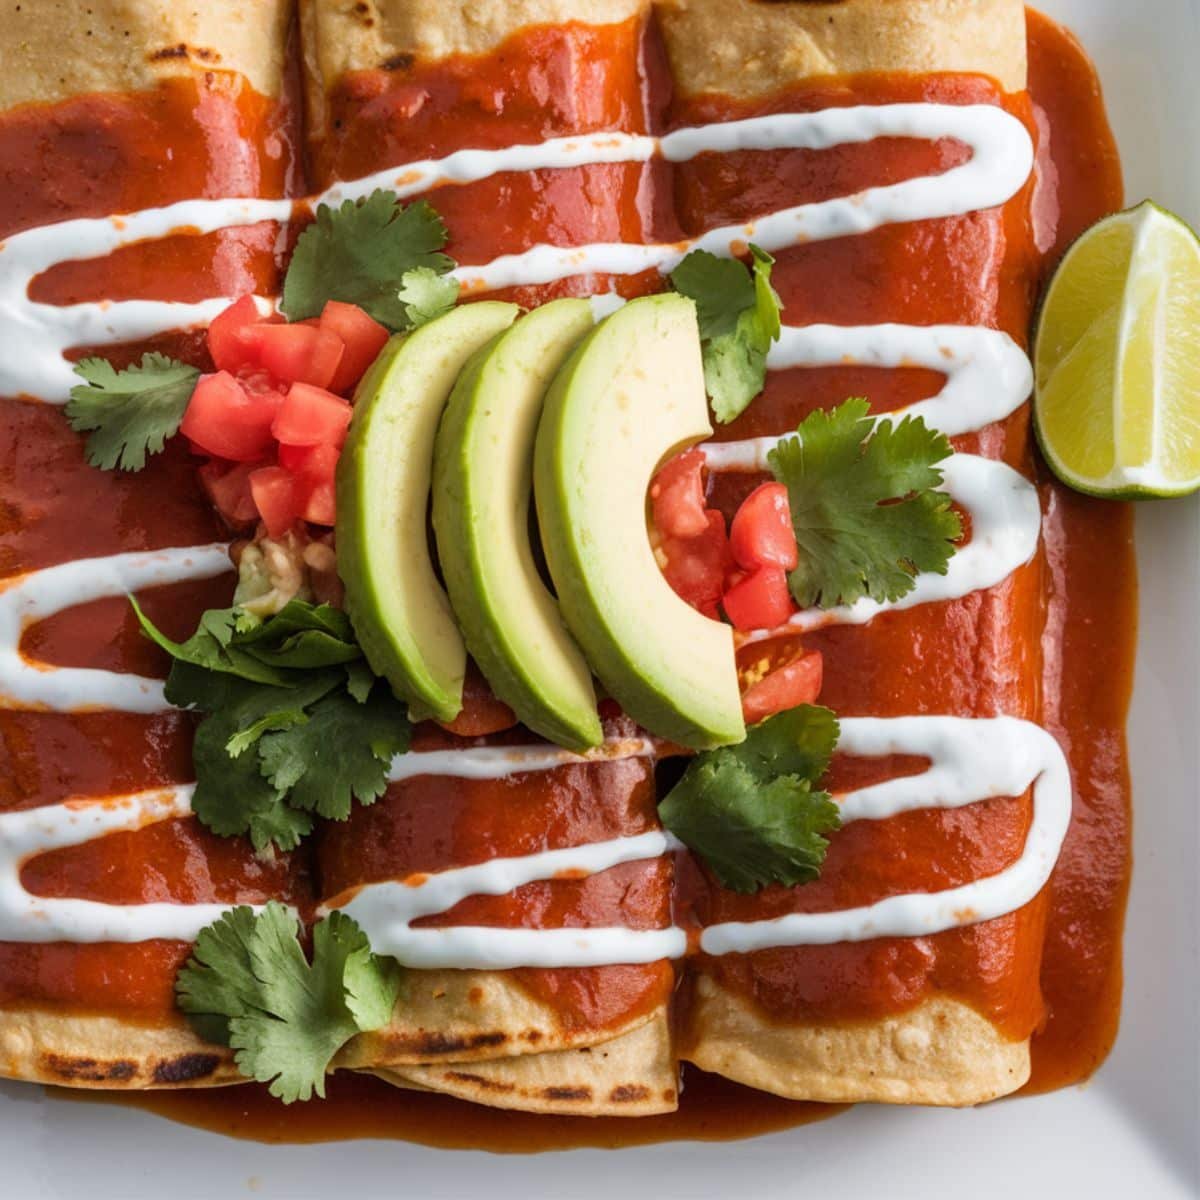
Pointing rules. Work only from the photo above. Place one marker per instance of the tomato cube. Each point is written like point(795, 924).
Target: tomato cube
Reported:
point(677, 497)
point(228, 487)
point(314, 468)
point(696, 567)
point(231, 344)
point(227, 421)
point(362, 336)
point(275, 496)
point(298, 353)
point(311, 416)
point(760, 601)
point(795, 683)
point(762, 533)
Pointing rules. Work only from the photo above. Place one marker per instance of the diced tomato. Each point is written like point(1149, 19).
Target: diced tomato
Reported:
point(696, 567)
point(275, 496)
point(362, 336)
point(795, 683)
point(230, 342)
point(298, 353)
point(228, 487)
point(314, 468)
point(225, 420)
point(311, 416)
point(760, 601)
point(761, 533)
point(677, 497)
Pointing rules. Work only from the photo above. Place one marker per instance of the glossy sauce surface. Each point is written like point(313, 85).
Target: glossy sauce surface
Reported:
point(983, 651)
point(98, 155)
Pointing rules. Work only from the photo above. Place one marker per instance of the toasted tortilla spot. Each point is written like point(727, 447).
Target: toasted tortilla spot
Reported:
point(73, 1070)
point(185, 1068)
point(488, 1085)
point(567, 1093)
point(628, 1093)
point(428, 1042)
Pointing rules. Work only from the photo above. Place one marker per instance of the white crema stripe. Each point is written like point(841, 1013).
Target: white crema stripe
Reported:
point(25, 917)
point(24, 835)
point(27, 599)
point(34, 336)
point(972, 760)
point(386, 912)
point(988, 376)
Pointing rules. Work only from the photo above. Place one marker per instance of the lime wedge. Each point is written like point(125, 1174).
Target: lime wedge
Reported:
point(1117, 359)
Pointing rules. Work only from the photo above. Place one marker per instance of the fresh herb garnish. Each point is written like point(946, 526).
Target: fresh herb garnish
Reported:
point(361, 253)
point(129, 414)
point(426, 295)
point(249, 986)
point(864, 505)
point(297, 724)
point(751, 811)
point(738, 314)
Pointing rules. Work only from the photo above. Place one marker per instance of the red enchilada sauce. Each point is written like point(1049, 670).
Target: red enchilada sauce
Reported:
point(929, 272)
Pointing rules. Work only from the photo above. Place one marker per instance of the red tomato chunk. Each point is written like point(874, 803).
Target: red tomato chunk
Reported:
point(759, 601)
point(225, 420)
point(677, 497)
point(795, 683)
point(761, 533)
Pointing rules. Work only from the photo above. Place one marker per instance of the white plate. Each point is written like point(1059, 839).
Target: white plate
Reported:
point(1132, 1131)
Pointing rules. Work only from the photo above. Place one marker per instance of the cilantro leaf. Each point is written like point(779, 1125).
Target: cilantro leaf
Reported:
point(249, 984)
point(750, 811)
point(129, 414)
point(231, 796)
point(864, 505)
point(339, 754)
point(360, 253)
point(301, 636)
point(425, 295)
point(297, 721)
point(738, 314)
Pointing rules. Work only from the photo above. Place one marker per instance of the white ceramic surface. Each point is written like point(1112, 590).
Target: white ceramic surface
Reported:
point(1132, 1132)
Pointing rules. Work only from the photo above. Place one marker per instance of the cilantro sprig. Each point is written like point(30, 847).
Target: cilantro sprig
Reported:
point(738, 313)
point(248, 985)
point(864, 505)
point(297, 724)
point(129, 414)
point(377, 253)
point(752, 811)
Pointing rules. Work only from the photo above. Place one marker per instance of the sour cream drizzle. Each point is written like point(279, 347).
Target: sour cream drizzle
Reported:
point(970, 761)
point(27, 599)
point(25, 917)
point(34, 336)
point(988, 377)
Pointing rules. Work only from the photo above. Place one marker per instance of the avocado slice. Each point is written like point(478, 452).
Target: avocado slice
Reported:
point(482, 487)
point(399, 610)
point(630, 395)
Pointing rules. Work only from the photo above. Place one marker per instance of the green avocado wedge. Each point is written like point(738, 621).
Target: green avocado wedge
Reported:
point(482, 488)
point(400, 612)
point(631, 395)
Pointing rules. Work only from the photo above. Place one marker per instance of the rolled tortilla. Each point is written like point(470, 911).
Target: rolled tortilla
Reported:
point(57, 49)
point(523, 1038)
point(808, 1022)
point(751, 49)
point(389, 82)
point(129, 85)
